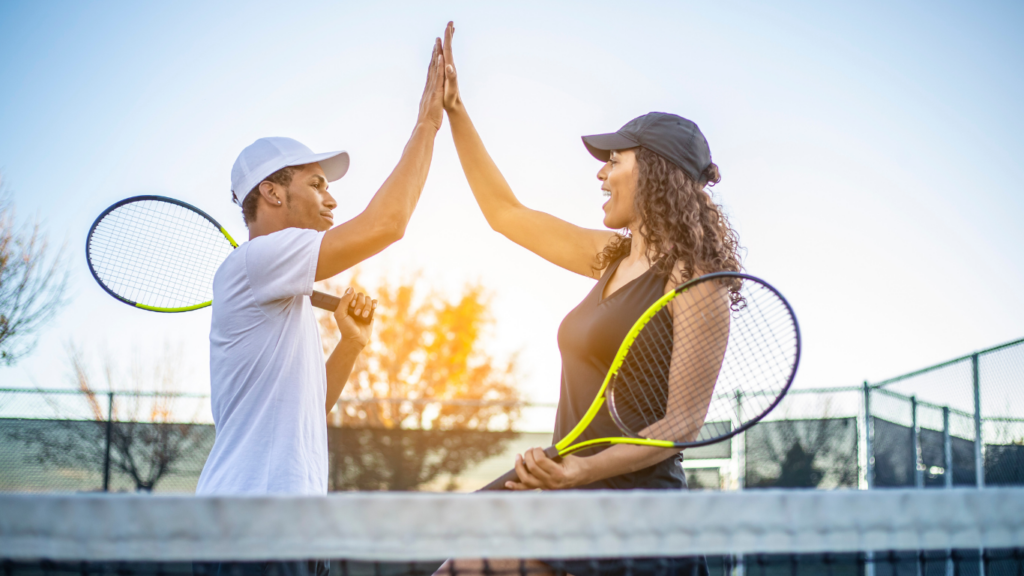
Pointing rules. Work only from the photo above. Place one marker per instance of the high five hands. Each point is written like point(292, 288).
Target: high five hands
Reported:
point(442, 89)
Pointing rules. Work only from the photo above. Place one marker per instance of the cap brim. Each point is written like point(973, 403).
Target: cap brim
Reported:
point(600, 146)
point(334, 164)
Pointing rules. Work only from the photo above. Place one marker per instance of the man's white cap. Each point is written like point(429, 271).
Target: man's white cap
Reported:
point(268, 155)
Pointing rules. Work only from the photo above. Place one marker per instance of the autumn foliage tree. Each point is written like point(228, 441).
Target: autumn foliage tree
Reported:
point(425, 397)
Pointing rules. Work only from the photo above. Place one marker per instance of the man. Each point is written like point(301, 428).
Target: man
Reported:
point(271, 391)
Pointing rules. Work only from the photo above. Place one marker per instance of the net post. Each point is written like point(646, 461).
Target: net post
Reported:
point(869, 469)
point(106, 447)
point(979, 462)
point(916, 432)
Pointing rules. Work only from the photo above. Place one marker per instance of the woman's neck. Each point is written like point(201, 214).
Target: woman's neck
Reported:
point(637, 246)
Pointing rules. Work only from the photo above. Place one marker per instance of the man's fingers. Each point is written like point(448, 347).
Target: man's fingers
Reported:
point(432, 68)
point(346, 298)
point(359, 304)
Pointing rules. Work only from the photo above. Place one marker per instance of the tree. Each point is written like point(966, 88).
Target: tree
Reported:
point(33, 282)
point(425, 398)
point(135, 428)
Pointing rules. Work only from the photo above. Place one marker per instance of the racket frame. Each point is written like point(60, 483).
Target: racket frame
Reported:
point(635, 330)
point(142, 198)
point(566, 446)
point(318, 299)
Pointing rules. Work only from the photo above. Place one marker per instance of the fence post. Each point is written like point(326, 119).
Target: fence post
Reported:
point(868, 440)
point(740, 450)
point(947, 449)
point(739, 439)
point(106, 453)
point(979, 461)
point(916, 432)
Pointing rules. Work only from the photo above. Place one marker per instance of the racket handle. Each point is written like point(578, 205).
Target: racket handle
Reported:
point(324, 301)
point(511, 475)
point(330, 303)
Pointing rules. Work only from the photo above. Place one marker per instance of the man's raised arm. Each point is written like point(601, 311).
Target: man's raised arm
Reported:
point(385, 218)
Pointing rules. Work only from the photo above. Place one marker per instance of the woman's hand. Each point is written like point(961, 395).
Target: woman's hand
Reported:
point(451, 82)
point(537, 471)
point(358, 304)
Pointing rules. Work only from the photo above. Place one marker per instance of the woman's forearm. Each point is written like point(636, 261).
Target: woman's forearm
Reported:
point(619, 459)
point(491, 190)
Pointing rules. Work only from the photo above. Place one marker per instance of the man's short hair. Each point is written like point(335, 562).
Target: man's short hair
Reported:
point(282, 177)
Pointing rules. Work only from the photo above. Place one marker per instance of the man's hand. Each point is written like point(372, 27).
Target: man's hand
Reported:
point(536, 470)
point(451, 81)
point(431, 104)
point(354, 333)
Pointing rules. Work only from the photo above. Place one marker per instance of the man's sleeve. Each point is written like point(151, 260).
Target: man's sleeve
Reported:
point(283, 264)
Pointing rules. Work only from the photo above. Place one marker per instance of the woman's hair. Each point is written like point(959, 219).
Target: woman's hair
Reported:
point(679, 221)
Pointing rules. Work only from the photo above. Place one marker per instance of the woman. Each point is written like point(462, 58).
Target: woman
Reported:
point(655, 170)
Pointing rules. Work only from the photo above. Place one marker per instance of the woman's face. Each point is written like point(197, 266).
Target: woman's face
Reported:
point(618, 182)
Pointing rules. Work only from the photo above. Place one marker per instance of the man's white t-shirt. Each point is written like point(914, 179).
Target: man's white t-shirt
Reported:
point(267, 377)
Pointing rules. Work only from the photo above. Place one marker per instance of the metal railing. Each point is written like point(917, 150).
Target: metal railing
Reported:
point(957, 423)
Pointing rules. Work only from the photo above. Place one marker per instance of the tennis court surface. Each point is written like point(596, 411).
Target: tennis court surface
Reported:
point(955, 532)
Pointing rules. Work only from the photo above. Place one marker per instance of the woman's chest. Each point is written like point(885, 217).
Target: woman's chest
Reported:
point(593, 331)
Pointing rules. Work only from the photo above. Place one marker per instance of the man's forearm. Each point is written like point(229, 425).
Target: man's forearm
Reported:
point(339, 368)
point(386, 217)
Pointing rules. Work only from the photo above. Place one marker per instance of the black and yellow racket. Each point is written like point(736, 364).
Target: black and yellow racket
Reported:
point(160, 254)
point(707, 361)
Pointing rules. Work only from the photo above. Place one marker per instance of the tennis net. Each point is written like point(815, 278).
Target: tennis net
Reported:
point(958, 532)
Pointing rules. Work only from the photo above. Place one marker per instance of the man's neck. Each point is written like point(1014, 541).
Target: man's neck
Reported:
point(266, 226)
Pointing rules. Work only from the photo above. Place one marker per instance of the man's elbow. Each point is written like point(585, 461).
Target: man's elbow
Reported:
point(392, 230)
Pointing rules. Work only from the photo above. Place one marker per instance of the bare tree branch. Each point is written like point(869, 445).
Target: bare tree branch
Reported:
point(33, 282)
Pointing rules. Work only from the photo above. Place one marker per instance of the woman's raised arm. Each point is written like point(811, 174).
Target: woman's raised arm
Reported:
point(557, 241)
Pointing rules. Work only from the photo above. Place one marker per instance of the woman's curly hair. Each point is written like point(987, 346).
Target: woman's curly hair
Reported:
point(679, 221)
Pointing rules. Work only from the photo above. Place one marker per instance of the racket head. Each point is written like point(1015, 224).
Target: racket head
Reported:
point(741, 343)
point(157, 253)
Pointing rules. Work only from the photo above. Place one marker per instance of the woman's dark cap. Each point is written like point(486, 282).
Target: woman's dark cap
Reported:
point(675, 138)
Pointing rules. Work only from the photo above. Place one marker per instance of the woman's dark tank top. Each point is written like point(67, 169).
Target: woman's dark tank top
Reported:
point(589, 338)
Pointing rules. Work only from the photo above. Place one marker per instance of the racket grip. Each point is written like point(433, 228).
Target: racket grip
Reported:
point(324, 301)
point(512, 476)
point(330, 303)
point(499, 484)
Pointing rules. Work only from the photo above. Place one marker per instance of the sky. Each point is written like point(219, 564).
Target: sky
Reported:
point(869, 151)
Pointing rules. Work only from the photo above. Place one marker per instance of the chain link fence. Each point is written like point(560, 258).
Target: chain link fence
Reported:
point(958, 423)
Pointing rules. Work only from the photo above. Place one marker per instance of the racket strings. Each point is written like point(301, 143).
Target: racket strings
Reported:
point(701, 367)
point(157, 253)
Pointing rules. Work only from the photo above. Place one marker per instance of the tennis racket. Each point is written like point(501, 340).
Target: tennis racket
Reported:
point(160, 254)
point(705, 362)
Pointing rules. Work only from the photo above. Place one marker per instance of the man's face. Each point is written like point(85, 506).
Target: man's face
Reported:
point(307, 200)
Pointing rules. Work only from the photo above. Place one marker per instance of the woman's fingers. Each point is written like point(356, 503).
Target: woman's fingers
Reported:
point(451, 85)
point(449, 32)
point(526, 480)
